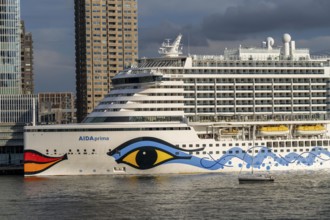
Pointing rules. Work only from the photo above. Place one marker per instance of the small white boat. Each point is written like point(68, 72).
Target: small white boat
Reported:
point(255, 178)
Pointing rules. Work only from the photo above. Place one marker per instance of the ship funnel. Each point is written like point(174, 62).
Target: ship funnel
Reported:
point(270, 43)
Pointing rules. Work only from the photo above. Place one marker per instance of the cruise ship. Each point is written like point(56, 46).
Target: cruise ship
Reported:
point(264, 108)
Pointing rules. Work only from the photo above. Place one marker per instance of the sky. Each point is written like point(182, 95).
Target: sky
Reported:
point(208, 27)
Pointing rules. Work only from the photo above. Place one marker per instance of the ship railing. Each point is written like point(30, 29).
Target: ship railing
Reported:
point(237, 61)
point(314, 117)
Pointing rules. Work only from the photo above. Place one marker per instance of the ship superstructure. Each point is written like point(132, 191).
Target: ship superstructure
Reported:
point(265, 107)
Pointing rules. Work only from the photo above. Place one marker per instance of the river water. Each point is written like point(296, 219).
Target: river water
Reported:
point(293, 195)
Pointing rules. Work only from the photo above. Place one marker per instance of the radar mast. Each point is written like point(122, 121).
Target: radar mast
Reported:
point(169, 49)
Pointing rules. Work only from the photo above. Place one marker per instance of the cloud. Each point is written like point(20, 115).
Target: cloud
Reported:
point(208, 26)
point(317, 44)
point(259, 16)
point(54, 71)
point(47, 13)
point(240, 20)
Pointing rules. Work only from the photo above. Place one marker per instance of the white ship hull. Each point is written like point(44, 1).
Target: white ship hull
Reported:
point(175, 152)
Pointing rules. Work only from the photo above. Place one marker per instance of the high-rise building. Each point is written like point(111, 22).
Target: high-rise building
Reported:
point(16, 109)
point(10, 54)
point(106, 43)
point(26, 61)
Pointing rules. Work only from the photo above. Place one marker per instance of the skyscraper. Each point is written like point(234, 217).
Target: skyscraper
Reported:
point(10, 52)
point(16, 109)
point(26, 61)
point(106, 43)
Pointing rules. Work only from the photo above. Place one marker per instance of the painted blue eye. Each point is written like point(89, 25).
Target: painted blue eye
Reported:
point(146, 153)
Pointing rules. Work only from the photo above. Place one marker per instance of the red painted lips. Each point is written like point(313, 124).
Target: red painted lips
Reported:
point(35, 162)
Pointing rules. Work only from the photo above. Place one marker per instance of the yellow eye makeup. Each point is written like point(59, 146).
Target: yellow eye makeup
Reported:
point(146, 157)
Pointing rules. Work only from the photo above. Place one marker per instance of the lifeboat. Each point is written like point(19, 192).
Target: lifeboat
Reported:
point(310, 130)
point(278, 130)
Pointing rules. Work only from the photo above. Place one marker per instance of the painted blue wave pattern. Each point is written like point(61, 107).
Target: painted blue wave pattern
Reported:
point(306, 158)
point(211, 162)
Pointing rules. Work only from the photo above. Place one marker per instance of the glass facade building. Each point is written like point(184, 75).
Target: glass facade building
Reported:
point(16, 109)
point(10, 52)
